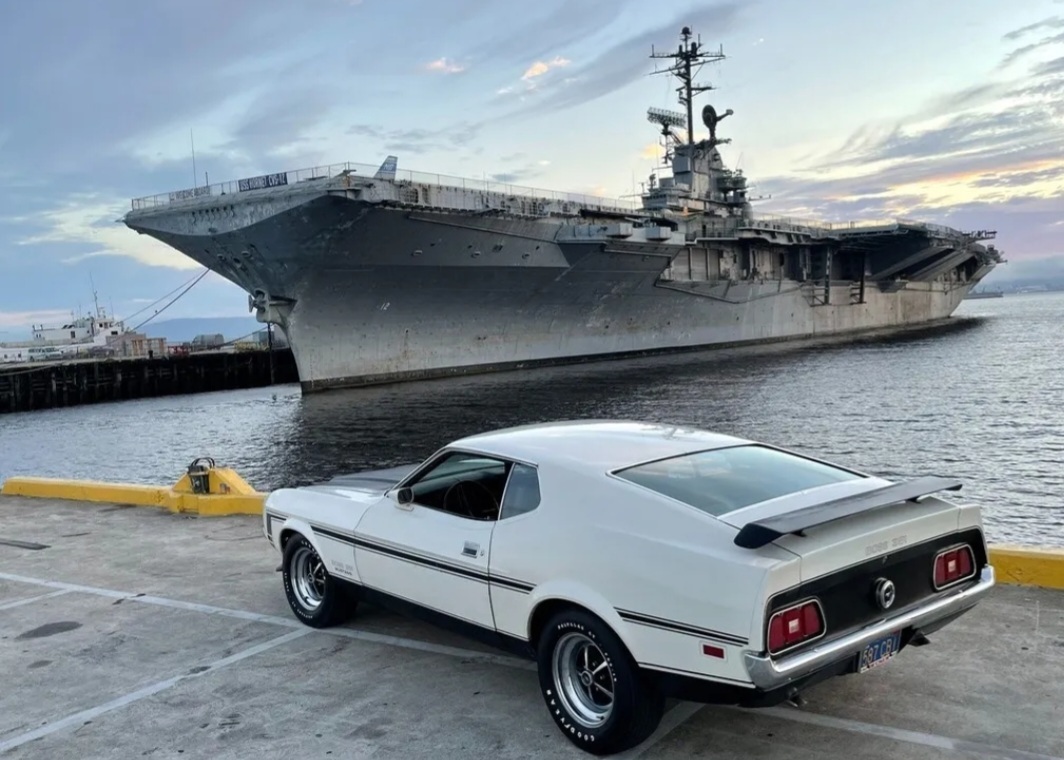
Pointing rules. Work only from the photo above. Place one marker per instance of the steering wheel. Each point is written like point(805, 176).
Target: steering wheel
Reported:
point(473, 499)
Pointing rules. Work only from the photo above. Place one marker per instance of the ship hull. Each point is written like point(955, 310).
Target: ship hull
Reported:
point(392, 295)
point(375, 327)
point(368, 294)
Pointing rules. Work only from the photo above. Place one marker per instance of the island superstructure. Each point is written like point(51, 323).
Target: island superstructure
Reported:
point(380, 275)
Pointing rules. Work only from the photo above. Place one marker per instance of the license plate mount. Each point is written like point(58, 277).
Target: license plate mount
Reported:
point(878, 652)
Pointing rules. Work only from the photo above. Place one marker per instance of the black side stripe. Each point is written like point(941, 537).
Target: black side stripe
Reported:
point(693, 674)
point(510, 584)
point(341, 537)
point(461, 572)
point(270, 517)
point(390, 551)
point(675, 627)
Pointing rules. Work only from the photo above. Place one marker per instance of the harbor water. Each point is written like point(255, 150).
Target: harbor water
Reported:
point(981, 400)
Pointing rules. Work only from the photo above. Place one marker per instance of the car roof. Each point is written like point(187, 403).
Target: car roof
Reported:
point(603, 444)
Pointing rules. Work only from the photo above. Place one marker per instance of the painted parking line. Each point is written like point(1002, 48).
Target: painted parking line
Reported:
point(79, 718)
point(671, 720)
point(284, 622)
point(902, 735)
point(30, 600)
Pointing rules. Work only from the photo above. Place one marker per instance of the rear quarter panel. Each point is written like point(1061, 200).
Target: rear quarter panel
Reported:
point(666, 577)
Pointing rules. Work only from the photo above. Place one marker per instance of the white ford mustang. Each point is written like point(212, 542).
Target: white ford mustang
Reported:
point(637, 561)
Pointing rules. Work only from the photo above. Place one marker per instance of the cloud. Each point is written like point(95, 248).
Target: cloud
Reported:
point(445, 66)
point(89, 221)
point(533, 77)
point(278, 122)
point(999, 142)
point(264, 78)
point(1054, 22)
point(981, 94)
point(1056, 39)
point(1055, 66)
point(168, 68)
point(418, 140)
point(39, 316)
point(539, 68)
point(625, 61)
point(539, 37)
point(520, 174)
point(965, 134)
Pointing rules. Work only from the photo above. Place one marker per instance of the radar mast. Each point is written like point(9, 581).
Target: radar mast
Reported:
point(687, 61)
point(700, 181)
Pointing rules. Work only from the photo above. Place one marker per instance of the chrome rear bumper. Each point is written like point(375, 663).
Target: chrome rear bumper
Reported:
point(766, 673)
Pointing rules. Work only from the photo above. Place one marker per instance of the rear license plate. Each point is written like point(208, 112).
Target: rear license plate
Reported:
point(878, 652)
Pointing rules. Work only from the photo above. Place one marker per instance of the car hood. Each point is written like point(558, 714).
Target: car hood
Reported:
point(366, 484)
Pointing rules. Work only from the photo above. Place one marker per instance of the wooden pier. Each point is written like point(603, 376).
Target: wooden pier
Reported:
point(25, 387)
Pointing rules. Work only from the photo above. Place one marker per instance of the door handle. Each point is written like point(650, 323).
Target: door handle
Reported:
point(471, 549)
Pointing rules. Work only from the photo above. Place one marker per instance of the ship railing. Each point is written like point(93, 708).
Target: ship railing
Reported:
point(856, 224)
point(931, 227)
point(818, 224)
point(860, 224)
point(369, 171)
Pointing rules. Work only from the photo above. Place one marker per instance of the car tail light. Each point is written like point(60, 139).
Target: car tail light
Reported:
point(794, 625)
point(953, 566)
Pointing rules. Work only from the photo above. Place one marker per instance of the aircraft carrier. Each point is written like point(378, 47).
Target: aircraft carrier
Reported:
point(381, 275)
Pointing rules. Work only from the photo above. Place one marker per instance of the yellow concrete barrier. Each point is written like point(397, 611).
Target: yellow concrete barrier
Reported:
point(204, 490)
point(215, 491)
point(1028, 565)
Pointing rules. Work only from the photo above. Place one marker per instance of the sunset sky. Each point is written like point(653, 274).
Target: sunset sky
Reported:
point(949, 111)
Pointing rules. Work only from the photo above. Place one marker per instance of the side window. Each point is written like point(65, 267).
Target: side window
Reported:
point(522, 491)
point(467, 485)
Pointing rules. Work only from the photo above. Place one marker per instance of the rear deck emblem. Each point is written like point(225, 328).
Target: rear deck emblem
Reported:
point(884, 590)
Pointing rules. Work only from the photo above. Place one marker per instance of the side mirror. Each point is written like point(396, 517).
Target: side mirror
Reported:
point(404, 496)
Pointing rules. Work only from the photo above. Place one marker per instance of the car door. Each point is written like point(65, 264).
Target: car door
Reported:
point(433, 551)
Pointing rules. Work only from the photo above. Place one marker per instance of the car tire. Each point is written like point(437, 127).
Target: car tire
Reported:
point(575, 689)
point(316, 598)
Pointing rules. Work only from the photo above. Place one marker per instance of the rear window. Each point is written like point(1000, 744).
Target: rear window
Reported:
point(724, 480)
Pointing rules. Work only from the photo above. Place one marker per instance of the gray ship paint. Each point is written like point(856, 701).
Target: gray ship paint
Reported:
point(381, 275)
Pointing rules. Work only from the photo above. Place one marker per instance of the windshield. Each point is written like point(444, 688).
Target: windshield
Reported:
point(724, 480)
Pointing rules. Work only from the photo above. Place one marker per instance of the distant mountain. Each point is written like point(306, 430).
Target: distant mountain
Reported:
point(182, 330)
point(1045, 272)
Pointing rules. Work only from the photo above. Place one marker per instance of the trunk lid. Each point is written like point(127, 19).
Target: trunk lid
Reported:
point(843, 560)
point(853, 538)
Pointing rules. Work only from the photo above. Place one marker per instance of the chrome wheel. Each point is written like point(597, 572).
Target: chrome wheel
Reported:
point(583, 679)
point(308, 577)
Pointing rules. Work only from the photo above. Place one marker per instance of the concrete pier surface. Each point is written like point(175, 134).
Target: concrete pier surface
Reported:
point(130, 632)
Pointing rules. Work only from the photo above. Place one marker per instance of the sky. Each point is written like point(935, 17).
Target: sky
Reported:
point(949, 111)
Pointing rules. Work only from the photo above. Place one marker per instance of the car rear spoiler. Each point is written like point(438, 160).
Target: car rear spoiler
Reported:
point(757, 534)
